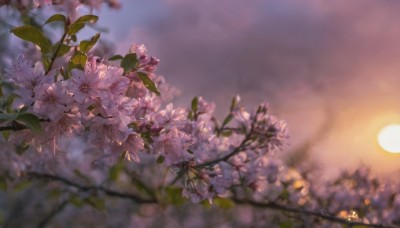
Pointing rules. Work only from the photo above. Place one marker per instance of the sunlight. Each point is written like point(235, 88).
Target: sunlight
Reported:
point(389, 138)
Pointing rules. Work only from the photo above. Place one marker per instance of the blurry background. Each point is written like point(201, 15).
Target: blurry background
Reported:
point(329, 68)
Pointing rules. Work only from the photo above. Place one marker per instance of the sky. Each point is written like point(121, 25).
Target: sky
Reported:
point(329, 68)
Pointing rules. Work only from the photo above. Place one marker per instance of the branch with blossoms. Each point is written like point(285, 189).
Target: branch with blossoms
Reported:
point(321, 215)
point(270, 205)
point(70, 116)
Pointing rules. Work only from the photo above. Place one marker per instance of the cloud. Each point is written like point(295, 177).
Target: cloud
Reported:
point(302, 56)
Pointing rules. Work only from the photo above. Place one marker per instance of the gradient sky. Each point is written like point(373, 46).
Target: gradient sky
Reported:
point(330, 68)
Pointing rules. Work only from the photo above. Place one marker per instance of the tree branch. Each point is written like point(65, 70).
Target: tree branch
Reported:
point(52, 214)
point(15, 126)
point(321, 215)
point(108, 192)
point(269, 205)
point(53, 58)
point(237, 149)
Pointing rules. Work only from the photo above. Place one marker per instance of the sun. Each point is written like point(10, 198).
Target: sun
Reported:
point(389, 138)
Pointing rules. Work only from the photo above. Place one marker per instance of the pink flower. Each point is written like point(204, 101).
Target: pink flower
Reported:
point(221, 184)
point(197, 191)
point(27, 76)
point(112, 81)
point(173, 145)
point(84, 86)
point(146, 106)
point(51, 100)
point(170, 117)
point(67, 124)
point(242, 116)
point(205, 107)
point(132, 145)
point(106, 129)
point(40, 3)
point(140, 50)
point(120, 108)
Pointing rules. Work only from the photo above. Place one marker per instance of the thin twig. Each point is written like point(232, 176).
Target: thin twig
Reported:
point(52, 214)
point(53, 58)
point(236, 150)
point(13, 127)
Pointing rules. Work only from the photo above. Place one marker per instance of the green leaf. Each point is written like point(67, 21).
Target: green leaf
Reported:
point(234, 103)
point(226, 133)
point(174, 196)
point(81, 176)
point(29, 20)
point(76, 201)
point(150, 85)
point(56, 17)
point(206, 203)
point(227, 120)
point(96, 203)
point(73, 38)
point(72, 66)
point(86, 45)
point(284, 194)
point(31, 121)
point(195, 104)
point(34, 35)
point(224, 203)
point(22, 185)
point(74, 28)
point(287, 224)
point(9, 102)
point(46, 62)
point(115, 171)
point(23, 109)
point(8, 116)
point(115, 57)
point(6, 134)
point(80, 23)
point(87, 19)
point(160, 159)
point(129, 62)
point(3, 183)
point(79, 58)
point(64, 49)
point(142, 187)
point(54, 194)
point(190, 115)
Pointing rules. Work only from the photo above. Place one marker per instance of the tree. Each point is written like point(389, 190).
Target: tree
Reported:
point(100, 136)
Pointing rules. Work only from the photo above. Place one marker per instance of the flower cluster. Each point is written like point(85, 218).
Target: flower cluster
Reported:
point(119, 114)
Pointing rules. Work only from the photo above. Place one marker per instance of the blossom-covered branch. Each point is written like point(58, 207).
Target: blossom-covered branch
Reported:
point(317, 214)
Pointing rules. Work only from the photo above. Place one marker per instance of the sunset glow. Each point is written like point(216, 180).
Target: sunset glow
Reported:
point(389, 138)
